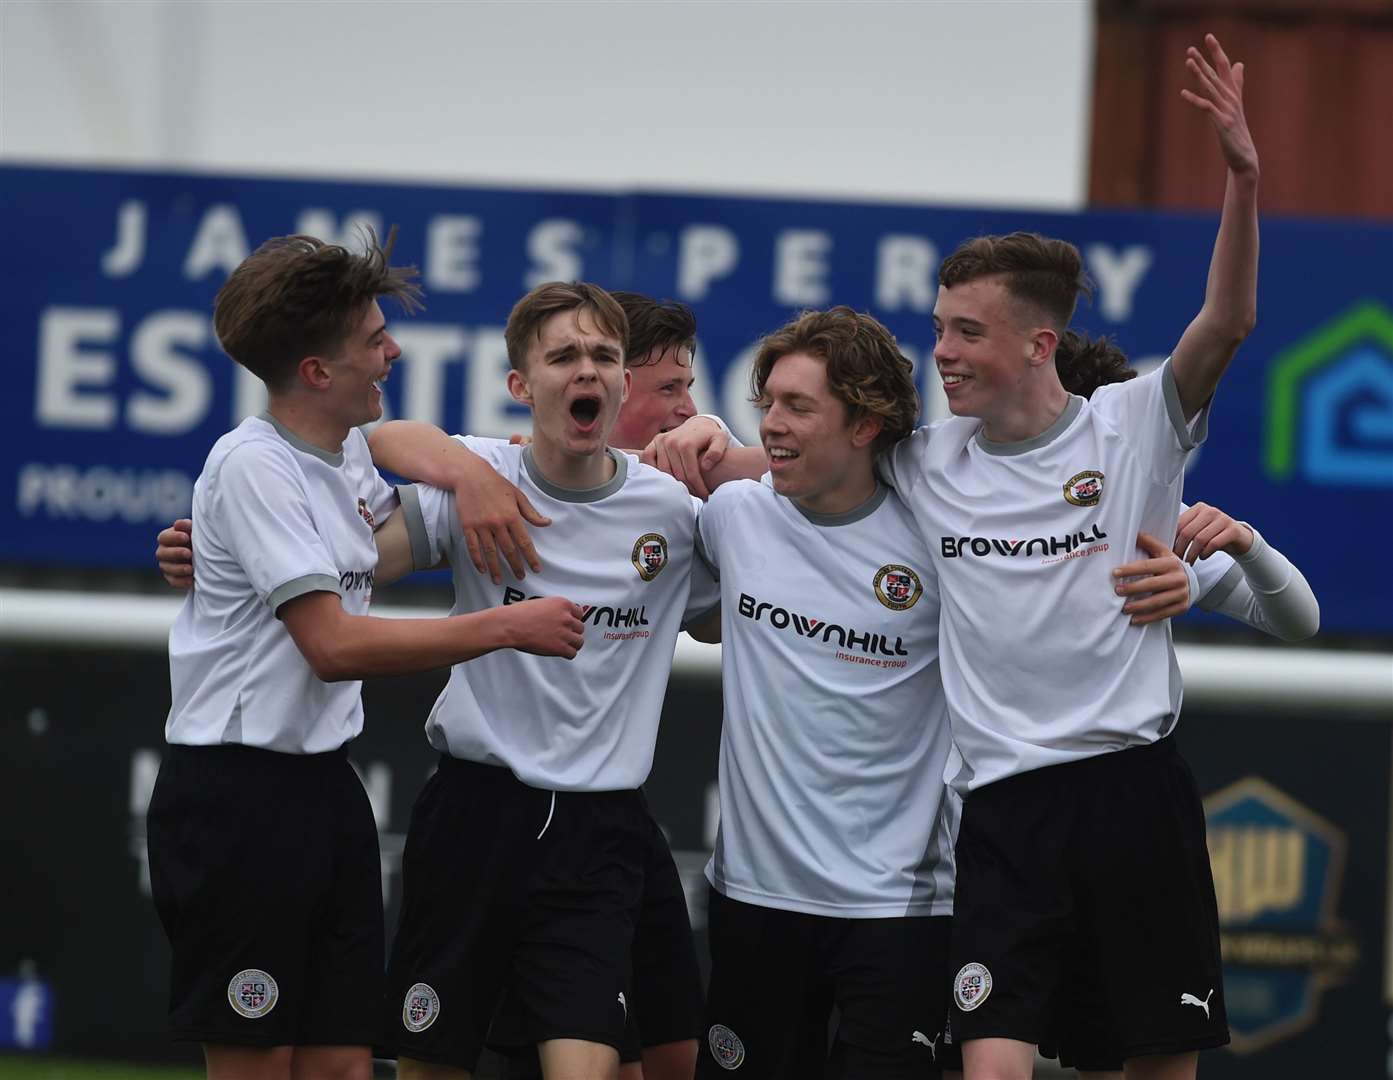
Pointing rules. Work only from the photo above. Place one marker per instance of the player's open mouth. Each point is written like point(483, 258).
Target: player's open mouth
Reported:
point(585, 411)
point(952, 378)
point(780, 455)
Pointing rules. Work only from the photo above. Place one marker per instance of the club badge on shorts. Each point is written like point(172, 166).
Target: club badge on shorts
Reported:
point(421, 1007)
point(972, 986)
point(897, 587)
point(726, 1047)
point(1085, 488)
point(650, 555)
point(252, 993)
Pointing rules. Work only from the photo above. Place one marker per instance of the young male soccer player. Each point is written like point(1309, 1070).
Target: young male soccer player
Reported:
point(1075, 790)
point(832, 877)
point(255, 788)
point(526, 853)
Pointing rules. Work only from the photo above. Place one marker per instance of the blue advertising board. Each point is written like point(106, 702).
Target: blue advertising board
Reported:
point(121, 388)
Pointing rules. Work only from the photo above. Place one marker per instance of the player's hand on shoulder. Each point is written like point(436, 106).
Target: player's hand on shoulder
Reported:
point(690, 449)
point(548, 626)
point(174, 553)
point(1219, 92)
point(1153, 588)
point(493, 516)
point(1204, 529)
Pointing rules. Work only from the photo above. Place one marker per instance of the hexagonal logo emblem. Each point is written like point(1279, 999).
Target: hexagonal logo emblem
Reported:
point(1278, 868)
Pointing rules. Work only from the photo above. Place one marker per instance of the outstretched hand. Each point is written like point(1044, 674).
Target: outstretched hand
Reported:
point(1156, 587)
point(1219, 92)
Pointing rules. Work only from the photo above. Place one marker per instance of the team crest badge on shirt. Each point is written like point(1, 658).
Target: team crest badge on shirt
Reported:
point(366, 514)
point(898, 587)
point(972, 986)
point(421, 1007)
point(1085, 488)
point(252, 993)
point(650, 555)
point(726, 1047)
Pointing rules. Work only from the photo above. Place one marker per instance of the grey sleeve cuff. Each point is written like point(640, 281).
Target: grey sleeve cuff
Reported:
point(1190, 437)
point(415, 526)
point(300, 586)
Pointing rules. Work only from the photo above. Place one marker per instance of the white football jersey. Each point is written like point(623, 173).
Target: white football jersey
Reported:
point(1040, 665)
point(835, 732)
point(274, 518)
point(624, 552)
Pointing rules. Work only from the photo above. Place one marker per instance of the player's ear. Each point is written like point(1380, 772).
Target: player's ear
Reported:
point(314, 372)
point(628, 385)
point(1042, 343)
point(865, 430)
point(517, 386)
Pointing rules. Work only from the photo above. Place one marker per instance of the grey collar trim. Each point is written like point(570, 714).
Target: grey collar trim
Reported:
point(336, 460)
point(1054, 431)
point(578, 495)
point(856, 513)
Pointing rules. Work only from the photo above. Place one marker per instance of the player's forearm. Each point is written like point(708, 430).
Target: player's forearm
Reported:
point(363, 646)
point(1274, 596)
point(739, 463)
point(1230, 301)
point(421, 451)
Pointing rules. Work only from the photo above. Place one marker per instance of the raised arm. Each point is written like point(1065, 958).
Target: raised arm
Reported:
point(494, 514)
point(698, 453)
point(1230, 297)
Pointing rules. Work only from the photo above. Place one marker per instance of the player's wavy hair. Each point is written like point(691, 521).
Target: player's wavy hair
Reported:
point(1086, 363)
point(528, 314)
point(1045, 273)
point(655, 326)
point(297, 296)
point(866, 371)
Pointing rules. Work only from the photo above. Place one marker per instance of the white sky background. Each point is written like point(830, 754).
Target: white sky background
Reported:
point(982, 103)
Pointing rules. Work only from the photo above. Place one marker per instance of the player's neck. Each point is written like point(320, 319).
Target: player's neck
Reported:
point(308, 423)
point(1028, 415)
point(575, 472)
point(854, 489)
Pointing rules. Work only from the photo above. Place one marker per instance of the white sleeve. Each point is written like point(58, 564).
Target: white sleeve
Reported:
point(1270, 594)
point(265, 523)
point(902, 465)
point(1147, 412)
point(431, 523)
point(735, 443)
point(380, 496)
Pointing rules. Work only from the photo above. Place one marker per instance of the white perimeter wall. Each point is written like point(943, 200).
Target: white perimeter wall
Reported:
point(972, 102)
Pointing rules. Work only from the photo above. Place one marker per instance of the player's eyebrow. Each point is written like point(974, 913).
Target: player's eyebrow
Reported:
point(373, 333)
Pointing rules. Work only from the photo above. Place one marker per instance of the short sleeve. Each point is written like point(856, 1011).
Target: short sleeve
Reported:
point(1147, 412)
point(903, 464)
point(265, 522)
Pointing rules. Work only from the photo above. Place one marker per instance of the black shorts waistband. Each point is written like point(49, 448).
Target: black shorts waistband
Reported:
point(479, 772)
point(1108, 763)
point(239, 752)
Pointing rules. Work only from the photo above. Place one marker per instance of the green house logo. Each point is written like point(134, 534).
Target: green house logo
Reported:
point(1330, 403)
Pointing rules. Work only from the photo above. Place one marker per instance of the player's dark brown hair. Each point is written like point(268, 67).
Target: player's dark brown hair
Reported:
point(528, 314)
point(655, 326)
point(866, 371)
point(296, 296)
point(1086, 363)
point(1048, 274)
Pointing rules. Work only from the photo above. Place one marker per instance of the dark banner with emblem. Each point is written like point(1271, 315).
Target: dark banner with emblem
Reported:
point(1297, 804)
point(119, 389)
